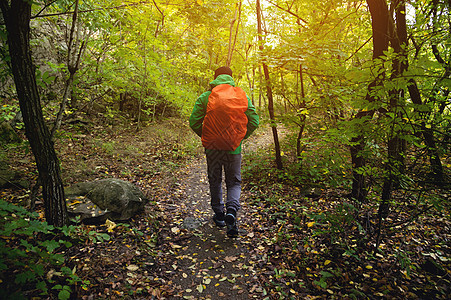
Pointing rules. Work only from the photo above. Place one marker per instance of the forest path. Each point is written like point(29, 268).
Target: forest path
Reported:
point(207, 263)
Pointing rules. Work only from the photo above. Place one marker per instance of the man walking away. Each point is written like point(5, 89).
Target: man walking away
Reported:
point(223, 117)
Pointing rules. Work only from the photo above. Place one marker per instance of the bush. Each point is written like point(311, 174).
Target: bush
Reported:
point(30, 254)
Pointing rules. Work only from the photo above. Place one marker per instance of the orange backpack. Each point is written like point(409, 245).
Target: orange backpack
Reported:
point(225, 123)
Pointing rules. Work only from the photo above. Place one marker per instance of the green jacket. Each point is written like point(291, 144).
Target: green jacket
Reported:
point(200, 109)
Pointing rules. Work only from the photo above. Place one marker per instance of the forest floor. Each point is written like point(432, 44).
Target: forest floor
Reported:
point(293, 244)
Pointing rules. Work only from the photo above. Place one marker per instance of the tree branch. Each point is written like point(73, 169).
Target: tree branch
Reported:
point(91, 10)
point(290, 12)
point(367, 41)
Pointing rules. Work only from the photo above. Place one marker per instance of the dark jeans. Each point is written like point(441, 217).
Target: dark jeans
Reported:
point(231, 163)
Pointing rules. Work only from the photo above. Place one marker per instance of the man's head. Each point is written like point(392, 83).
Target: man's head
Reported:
point(223, 70)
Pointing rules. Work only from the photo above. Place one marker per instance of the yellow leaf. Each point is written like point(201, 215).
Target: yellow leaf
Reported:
point(132, 267)
point(310, 224)
point(327, 262)
point(175, 246)
point(369, 267)
point(110, 224)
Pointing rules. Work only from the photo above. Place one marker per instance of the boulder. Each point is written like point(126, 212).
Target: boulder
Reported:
point(8, 134)
point(6, 174)
point(96, 201)
point(10, 178)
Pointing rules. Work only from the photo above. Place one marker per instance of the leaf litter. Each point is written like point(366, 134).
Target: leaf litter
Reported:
point(282, 251)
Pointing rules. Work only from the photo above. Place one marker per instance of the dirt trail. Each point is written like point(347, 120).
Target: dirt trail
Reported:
point(207, 263)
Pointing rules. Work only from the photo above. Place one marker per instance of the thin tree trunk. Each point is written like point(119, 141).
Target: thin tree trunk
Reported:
point(260, 86)
point(232, 22)
point(302, 117)
point(17, 19)
point(429, 138)
point(74, 53)
point(269, 94)
point(282, 82)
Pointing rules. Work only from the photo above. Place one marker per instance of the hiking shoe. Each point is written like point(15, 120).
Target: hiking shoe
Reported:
point(230, 218)
point(232, 229)
point(219, 221)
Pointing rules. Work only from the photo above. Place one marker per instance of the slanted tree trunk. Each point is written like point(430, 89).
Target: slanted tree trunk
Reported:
point(17, 14)
point(269, 93)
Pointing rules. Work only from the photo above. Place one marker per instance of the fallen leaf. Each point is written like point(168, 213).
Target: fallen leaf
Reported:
point(230, 258)
point(110, 225)
point(132, 267)
point(174, 246)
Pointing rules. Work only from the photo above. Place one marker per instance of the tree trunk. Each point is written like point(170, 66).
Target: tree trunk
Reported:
point(74, 53)
point(302, 117)
point(395, 162)
point(17, 19)
point(379, 24)
point(269, 93)
point(232, 22)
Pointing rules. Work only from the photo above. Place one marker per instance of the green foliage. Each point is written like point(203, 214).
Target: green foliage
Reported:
point(43, 79)
point(7, 112)
point(322, 282)
point(108, 147)
point(31, 251)
point(338, 224)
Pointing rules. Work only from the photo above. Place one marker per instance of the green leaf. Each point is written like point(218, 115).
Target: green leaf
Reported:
point(64, 294)
point(50, 245)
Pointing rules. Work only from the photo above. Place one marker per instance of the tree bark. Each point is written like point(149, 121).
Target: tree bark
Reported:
point(269, 93)
point(379, 25)
point(17, 19)
point(302, 117)
point(232, 22)
point(396, 147)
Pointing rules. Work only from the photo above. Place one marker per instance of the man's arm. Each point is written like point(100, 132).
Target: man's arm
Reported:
point(252, 118)
point(198, 114)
